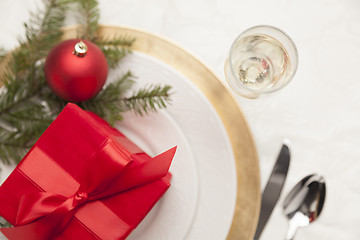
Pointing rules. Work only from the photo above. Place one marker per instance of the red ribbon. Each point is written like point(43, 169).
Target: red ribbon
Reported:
point(47, 213)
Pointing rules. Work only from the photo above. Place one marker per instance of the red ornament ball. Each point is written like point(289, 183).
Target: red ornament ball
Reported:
point(76, 70)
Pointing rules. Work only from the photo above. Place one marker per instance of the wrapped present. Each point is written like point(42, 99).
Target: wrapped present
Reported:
point(82, 180)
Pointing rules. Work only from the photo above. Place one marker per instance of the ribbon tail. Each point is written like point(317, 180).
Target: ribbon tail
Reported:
point(45, 228)
point(31, 231)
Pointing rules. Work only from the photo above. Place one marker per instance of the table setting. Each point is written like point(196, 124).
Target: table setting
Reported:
point(253, 115)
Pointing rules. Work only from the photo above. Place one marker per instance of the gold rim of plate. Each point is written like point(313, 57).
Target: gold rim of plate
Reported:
point(247, 166)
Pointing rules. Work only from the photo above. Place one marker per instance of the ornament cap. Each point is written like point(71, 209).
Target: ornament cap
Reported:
point(80, 49)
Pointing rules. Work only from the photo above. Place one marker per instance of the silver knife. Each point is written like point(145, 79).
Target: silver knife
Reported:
point(273, 189)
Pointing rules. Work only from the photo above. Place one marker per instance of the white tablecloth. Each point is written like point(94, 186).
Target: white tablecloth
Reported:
point(319, 111)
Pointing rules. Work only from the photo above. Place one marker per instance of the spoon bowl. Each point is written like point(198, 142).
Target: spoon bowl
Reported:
point(304, 203)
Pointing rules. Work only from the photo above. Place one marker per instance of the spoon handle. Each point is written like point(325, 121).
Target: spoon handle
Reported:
point(290, 235)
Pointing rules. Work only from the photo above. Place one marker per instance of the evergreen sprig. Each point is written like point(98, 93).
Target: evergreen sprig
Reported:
point(43, 32)
point(89, 18)
point(105, 103)
point(28, 106)
point(111, 102)
point(147, 99)
point(115, 49)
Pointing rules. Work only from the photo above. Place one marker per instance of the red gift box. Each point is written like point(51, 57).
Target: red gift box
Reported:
point(82, 180)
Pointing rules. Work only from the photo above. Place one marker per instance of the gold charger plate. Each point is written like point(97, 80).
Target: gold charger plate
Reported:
point(248, 177)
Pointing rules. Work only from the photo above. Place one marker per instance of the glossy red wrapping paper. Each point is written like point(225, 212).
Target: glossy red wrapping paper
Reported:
point(82, 180)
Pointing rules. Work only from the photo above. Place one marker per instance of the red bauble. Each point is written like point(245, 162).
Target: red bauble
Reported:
point(76, 70)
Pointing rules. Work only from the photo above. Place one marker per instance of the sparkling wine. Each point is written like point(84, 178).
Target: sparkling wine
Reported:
point(260, 62)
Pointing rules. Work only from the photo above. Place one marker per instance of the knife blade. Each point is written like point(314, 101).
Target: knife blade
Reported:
point(273, 188)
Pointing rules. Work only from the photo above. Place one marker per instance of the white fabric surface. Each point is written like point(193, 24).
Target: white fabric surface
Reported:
point(318, 111)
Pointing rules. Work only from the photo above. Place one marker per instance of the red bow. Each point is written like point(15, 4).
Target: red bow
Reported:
point(47, 214)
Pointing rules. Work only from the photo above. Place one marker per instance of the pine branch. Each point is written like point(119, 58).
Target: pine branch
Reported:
point(118, 41)
point(23, 117)
point(42, 34)
point(148, 99)
point(14, 144)
point(110, 103)
point(89, 18)
point(105, 104)
point(115, 49)
point(114, 55)
point(17, 91)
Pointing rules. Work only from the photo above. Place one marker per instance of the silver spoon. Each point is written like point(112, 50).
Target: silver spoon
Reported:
point(304, 203)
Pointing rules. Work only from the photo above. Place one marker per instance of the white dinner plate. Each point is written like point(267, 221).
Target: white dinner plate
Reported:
point(201, 201)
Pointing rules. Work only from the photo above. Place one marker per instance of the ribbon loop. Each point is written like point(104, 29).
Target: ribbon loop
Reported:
point(37, 205)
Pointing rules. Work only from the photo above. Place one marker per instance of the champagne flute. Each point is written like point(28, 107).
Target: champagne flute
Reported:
point(263, 59)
